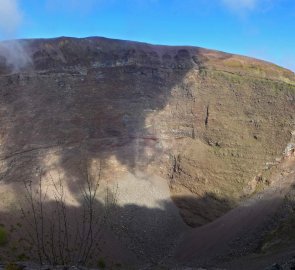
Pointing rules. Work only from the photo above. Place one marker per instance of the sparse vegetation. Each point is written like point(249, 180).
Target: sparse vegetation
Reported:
point(3, 236)
point(284, 231)
point(59, 234)
point(101, 263)
point(22, 257)
point(12, 266)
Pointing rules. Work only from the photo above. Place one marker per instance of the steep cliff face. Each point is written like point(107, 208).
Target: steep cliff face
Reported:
point(208, 122)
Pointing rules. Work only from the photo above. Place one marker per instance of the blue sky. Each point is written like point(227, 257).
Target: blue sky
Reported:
point(263, 29)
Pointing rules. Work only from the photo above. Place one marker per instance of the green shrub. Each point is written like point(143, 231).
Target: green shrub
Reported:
point(12, 266)
point(22, 257)
point(101, 263)
point(3, 236)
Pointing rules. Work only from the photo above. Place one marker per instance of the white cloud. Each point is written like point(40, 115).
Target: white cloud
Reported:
point(241, 4)
point(10, 17)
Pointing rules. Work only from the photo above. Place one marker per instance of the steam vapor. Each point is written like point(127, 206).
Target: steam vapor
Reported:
point(15, 56)
point(12, 53)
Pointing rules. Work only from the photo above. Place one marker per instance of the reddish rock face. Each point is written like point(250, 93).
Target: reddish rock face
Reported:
point(206, 121)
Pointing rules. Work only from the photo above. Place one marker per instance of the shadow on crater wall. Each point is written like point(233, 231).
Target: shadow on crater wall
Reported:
point(129, 234)
point(86, 100)
point(132, 235)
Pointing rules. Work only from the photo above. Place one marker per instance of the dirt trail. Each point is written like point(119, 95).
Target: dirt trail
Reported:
point(234, 232)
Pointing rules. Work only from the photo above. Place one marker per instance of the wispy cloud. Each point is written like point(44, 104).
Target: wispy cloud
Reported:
point(246, 6)
point(10, 17)
point(241, 5)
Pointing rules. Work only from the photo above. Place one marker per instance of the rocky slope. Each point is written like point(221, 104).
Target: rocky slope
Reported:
point(209, 124)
